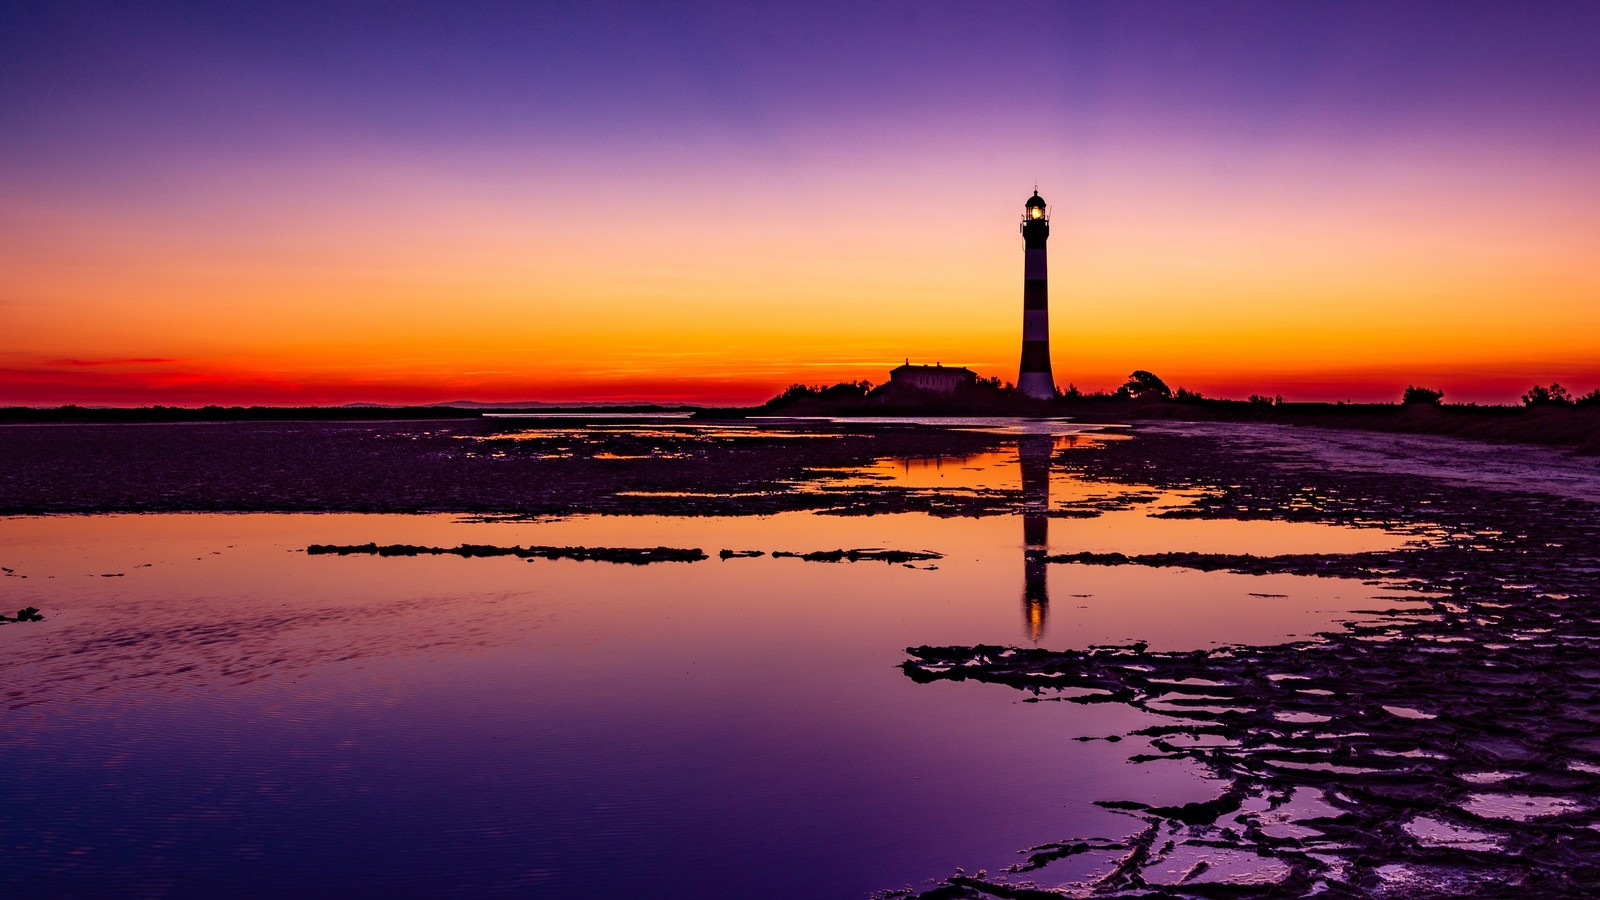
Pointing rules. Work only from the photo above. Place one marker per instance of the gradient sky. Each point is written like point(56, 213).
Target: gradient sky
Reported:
point(415, 202)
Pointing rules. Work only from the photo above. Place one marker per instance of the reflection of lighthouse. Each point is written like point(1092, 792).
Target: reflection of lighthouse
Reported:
point(1033, 451)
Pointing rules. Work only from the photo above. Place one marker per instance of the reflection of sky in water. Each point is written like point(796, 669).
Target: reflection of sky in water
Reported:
point(226, 710)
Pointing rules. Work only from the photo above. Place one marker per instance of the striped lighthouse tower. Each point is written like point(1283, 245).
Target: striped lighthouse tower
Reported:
point(1034, 378)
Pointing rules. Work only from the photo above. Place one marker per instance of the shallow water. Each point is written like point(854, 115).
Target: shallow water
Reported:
point(207, 709)
point(1518, 468)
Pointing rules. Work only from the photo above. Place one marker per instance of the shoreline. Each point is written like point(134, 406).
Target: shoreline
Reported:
point(1335, 759)
point(1560, 426)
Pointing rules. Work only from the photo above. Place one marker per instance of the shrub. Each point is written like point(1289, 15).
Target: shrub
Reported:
point(1421, 396)
point(1554, 395)
point(845, 389)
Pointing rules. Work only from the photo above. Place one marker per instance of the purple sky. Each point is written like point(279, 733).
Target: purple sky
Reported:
point(273, 122)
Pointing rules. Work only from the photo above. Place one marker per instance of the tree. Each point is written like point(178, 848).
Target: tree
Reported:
point(1142, 384)
point(796, 392)
point(1421, 396)
point(1554, 395)
point(845, 389)
point(1590, 399)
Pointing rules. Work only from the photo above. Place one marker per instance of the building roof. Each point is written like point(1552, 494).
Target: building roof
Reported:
point(954, 370)
point(1035, 200)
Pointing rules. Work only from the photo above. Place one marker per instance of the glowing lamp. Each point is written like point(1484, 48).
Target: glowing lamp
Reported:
point(1035, 212)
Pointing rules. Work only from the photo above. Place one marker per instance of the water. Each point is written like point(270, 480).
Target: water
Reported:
point(209, 710)
point(1514, 468)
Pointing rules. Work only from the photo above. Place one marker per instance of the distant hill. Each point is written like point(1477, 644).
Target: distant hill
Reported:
point(353, 412)
point(504, 404)
point(513, 404)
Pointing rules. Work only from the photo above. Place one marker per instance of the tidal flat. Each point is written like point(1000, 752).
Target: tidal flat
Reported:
point(795, 658)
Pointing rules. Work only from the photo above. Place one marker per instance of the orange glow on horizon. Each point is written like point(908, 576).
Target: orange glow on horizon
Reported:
point(409, 284)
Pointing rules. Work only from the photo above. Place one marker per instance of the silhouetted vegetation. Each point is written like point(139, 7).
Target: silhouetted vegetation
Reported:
point(984, 396)
point(1142, 385)
point(844, 390)
point(1548, 414)
point(1421, 396)
point(1554, 395)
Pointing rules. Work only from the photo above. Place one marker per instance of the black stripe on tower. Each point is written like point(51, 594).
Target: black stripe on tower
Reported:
point(1035, 589)
point(1035, 294)
point(1035, 356)
point(1035, 529)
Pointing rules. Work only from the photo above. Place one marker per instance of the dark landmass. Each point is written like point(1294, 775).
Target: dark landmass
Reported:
point(630, 555)
point(1574, 424)
point(547, 406)
point(833, 556)
point(1332, 564)
point(528, 467)
point(107, 415)
point(1451, 751)
point(352, 412)
point(1571, 426)
point(637, 556)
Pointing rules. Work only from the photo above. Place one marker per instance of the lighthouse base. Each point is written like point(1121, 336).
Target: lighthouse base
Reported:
point(1038, 385)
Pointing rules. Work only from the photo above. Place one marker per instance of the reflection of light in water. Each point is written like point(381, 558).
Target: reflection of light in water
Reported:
point(1036, 615)
point(1033, 457)
point(992, 471)
point(975, 473)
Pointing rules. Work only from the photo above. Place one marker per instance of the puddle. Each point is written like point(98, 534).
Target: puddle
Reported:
point(645, 706)
point(546, 719)
point(1518, 807)
point(1406, 712)
point(1431, 832)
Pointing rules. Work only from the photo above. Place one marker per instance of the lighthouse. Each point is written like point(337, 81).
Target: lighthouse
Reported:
point(1034, 378)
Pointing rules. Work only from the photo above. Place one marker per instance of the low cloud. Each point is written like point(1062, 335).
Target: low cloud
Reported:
point(113, 361)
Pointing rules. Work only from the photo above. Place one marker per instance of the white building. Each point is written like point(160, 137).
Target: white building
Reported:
point(935, 378)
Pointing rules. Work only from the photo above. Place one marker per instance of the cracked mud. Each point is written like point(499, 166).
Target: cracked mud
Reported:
point(1455, 753)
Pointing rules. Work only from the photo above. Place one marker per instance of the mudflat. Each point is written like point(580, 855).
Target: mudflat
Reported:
point(1255, 661)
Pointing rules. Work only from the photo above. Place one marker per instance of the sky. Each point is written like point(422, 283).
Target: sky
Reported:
point(407, 202)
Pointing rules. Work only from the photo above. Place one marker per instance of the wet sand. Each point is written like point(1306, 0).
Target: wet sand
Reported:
point(1453, 754)
point(519, 466)
point(1446, 750)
